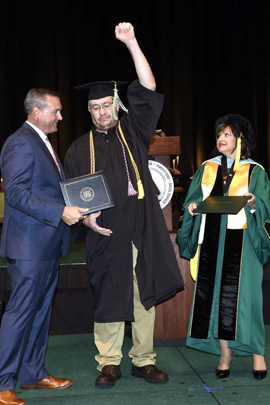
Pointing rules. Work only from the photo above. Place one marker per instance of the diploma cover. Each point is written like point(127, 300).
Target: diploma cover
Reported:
point(91, 191)
point(222, 205)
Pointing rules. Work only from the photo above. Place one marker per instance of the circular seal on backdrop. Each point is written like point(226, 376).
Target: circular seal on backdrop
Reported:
point(163, 181)
point(87, 194)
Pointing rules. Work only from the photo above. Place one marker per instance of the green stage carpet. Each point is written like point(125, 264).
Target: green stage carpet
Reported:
point(192, 378)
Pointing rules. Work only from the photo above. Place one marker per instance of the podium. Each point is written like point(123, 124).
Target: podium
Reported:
point(172, 316)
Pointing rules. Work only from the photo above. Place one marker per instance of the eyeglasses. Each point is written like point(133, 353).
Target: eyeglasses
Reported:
point(97, 107)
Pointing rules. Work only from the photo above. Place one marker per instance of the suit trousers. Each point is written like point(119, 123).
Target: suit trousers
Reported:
point(109, 336)
point(25, 323)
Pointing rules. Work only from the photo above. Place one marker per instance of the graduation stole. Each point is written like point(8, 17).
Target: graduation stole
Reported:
point(238, 186)
point(92, 154)
point(122, 140)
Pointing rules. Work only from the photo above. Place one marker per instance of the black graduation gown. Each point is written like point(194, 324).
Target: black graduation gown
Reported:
point(109, 259)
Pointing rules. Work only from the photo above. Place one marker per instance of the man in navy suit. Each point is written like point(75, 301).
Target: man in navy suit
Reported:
point(35, 234)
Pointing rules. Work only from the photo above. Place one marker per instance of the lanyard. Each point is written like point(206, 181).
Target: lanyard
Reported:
point(226, 177)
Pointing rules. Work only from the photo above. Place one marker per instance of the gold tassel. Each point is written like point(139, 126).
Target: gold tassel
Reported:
point(238, 153)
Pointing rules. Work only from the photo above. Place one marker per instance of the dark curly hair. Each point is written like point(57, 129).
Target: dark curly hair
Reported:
point(245, 148)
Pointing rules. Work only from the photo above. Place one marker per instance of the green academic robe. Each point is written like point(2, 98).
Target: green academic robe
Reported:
point(227, 301)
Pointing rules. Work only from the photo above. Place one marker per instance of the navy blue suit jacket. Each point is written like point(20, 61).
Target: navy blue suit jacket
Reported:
point(33, 228)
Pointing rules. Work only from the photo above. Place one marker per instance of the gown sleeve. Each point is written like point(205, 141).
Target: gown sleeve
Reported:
point(145, 107)
point(258, 223)
point(189, 226)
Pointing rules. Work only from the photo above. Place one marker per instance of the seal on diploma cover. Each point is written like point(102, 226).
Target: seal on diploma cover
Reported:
point(87, 194)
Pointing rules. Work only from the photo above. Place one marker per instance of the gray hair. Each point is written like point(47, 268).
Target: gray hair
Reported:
point(37, 97)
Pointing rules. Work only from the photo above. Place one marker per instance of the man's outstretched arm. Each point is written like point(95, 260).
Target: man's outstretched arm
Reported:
point(124, 32)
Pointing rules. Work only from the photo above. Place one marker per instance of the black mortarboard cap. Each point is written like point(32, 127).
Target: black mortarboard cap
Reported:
point(99, 89)
point(242, 124)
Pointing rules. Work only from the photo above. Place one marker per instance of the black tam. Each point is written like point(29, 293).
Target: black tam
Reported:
point(242, 124)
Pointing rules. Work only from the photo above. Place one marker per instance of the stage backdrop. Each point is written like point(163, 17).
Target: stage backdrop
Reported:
point(209, 59)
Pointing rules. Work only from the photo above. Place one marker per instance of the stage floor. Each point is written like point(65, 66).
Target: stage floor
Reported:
point(73, 302)
point(192, 378)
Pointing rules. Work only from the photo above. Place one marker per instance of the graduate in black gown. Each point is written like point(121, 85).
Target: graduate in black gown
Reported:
point(130, 257)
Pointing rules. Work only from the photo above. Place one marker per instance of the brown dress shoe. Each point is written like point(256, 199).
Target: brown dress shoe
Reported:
point(50, 383)
point(108, 376)
point(10, 398)
point(150, 373)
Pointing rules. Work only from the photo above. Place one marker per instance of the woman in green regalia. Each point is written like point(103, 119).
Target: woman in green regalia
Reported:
point(228, 251)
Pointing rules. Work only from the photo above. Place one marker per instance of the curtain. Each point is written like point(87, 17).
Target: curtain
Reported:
point(209, 59)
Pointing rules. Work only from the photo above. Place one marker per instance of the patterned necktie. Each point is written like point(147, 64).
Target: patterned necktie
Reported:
point(49, 146)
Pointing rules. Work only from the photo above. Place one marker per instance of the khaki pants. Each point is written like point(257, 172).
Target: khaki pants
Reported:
point(109, 336)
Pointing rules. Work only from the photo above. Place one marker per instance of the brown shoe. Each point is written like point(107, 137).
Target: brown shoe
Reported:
point(50, 383)
point(10, 398)
point(108, 376)
point(150, 373)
